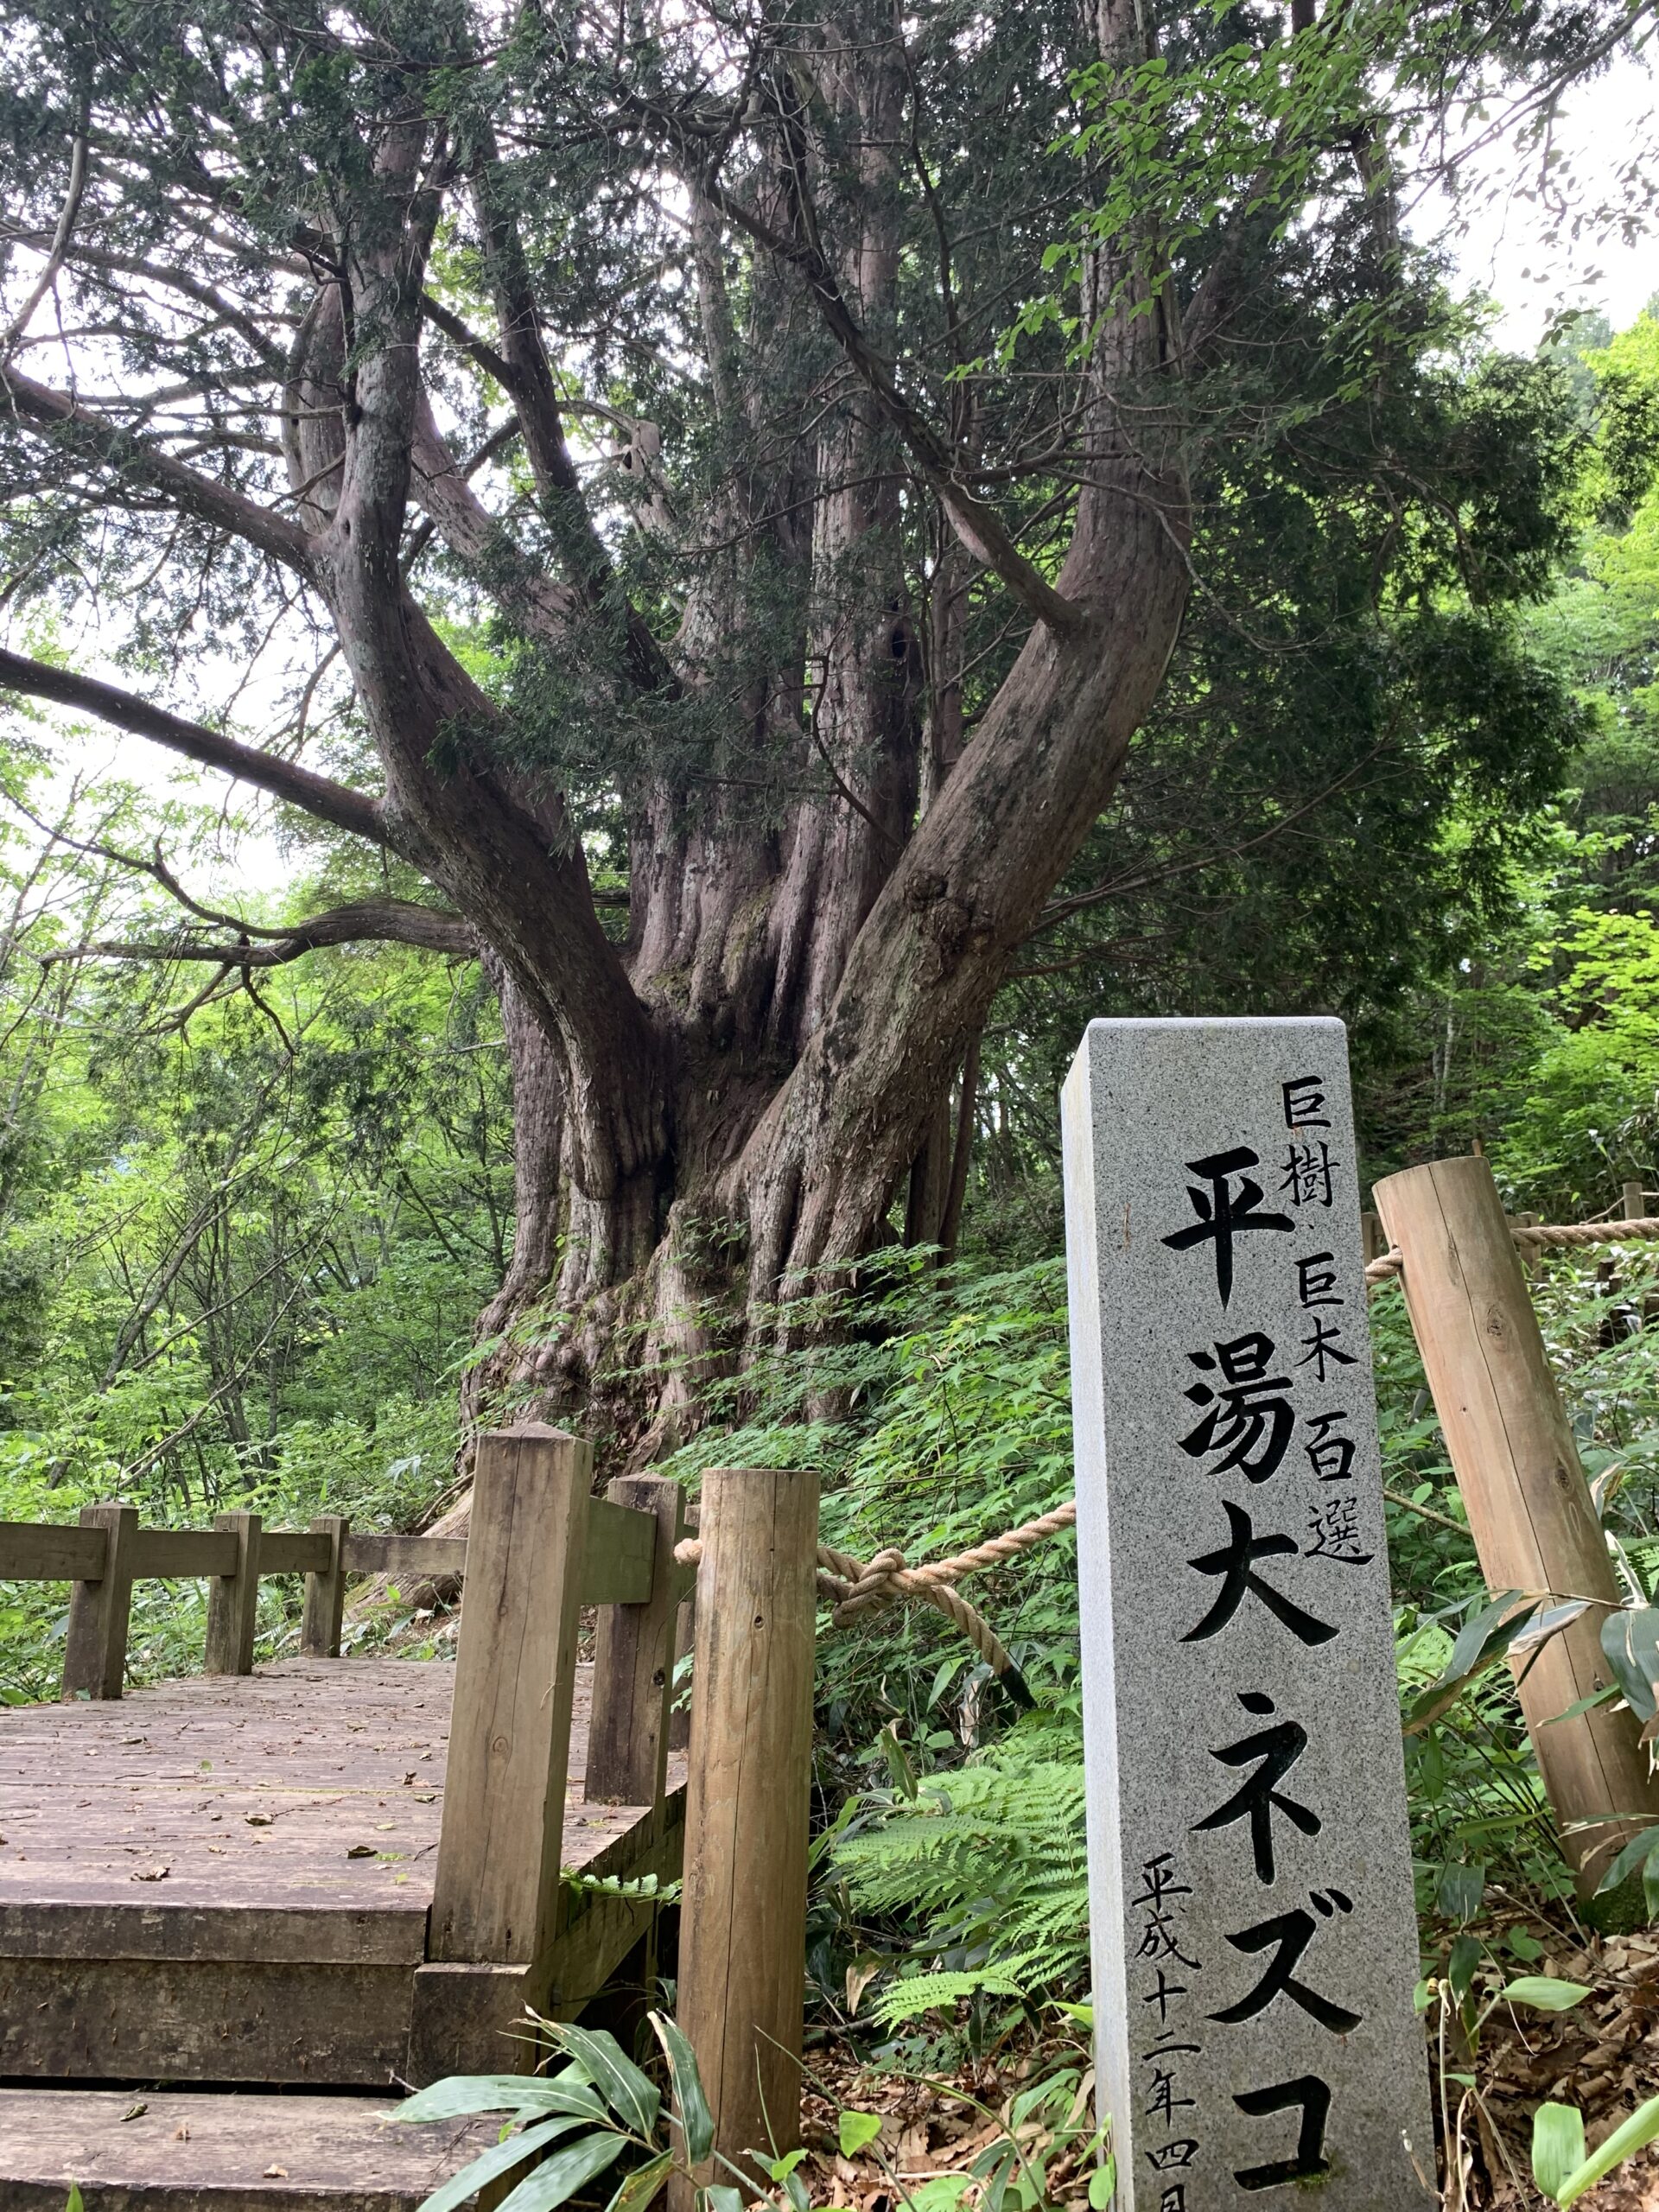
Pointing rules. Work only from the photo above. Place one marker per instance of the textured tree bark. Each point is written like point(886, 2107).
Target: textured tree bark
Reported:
point(722, 1101)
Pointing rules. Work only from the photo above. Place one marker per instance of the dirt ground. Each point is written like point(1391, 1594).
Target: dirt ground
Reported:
point(1603, 2056)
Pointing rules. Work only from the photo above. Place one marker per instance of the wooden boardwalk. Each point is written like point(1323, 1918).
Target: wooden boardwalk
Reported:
point(196, 2153)
point(228, 1878)
point(328, 1873)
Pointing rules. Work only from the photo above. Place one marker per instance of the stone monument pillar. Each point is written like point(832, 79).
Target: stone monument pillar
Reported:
point(1255, 1940)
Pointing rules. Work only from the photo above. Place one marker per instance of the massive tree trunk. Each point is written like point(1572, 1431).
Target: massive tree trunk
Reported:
point(828, 880)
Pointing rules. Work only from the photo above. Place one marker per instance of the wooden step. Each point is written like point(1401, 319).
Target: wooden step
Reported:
point(147, 2152)
point(227, 1878)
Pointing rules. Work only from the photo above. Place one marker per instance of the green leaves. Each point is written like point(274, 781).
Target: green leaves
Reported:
point(1557, 2147)
point(857, 2131)
point(1643, 1852)
point(632, 2096)
point(690, 2106)
point(1545, 1994)
point(524, 2095)
point(1630, 1638)
point(1559, 2164)
point(498, 2159)
point(1512, 1622)
point(642, 2184)
point(560, 2177)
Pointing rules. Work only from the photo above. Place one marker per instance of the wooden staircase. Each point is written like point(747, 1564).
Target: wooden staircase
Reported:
point(325, 1874)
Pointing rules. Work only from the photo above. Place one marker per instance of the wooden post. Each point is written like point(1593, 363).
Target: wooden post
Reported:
point(1528, 1504)
point(1373, 1242)
point(496, 1887)
point(633, 1663)
point(95, 1652)
point(325, 1592)
point(1633, 1202)
point(743, 1912)
point(233, 1600)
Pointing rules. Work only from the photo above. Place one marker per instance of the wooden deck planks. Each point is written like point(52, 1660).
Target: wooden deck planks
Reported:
point(303, 1800)
point(228, 2153)
point(227, 1878)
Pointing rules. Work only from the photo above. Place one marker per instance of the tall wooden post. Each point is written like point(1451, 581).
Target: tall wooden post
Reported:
point(496, 1889)
point(633, 1663)
point(743, 1912)
point(1529, 1508)
point(233, 1600)
point(325, 1592)
point(95, 1651)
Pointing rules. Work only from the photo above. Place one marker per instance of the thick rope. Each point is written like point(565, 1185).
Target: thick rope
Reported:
point(1591, 1232)
point(855, 1587)
point(1550, 1236)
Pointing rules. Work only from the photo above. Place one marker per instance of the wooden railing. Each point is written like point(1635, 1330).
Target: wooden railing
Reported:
point(109, 1550)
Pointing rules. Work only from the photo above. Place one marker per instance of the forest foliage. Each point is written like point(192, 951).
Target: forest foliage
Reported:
point(246, 1225)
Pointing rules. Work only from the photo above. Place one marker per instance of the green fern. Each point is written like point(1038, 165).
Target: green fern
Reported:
point(990, 1866)
point(926, 1992)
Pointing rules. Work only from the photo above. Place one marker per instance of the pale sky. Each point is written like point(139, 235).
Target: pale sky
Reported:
point(1505, 240)
point(1524, 255)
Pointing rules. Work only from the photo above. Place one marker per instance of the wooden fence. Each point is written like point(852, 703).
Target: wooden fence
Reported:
point(109, 1550)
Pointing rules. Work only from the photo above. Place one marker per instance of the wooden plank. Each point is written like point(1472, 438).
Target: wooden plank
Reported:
point(633, 1660)
point(462, 2019)
point(295, 1551)
point(95, 1649)
point(496, 1884)
point(325, 1591)
point(233, 1600)
point(743, 1911)
point(191, 2153)
point(36, 1551)
point(163, 1552)
point(1517, 1466)
point(312, 1784)
point(619, 1559)
point(339, 1934)
point(431, 1558)
point(137, 2019)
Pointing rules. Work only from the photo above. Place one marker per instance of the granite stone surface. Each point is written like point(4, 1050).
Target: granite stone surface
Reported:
point(1254, 1936)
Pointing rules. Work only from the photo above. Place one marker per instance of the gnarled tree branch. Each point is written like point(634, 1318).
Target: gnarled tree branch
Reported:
point(285, 779)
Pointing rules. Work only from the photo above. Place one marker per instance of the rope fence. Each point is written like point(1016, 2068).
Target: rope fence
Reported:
point(855, 1588)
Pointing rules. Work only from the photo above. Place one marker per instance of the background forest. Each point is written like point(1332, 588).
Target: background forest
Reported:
point(250, 1214)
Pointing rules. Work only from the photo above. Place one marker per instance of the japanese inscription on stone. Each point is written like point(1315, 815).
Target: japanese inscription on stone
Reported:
point(1255, 1943)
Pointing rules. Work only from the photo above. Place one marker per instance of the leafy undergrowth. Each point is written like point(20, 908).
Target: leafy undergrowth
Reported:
point(944, 2137)
point(1602, 2056)
point(940, 2132)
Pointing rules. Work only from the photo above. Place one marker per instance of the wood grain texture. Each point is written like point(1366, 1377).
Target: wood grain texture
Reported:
point(633, 1660)
point(497, 1885)
point(325, 1591)
point(204, 2020)
point(428, 1557)
point(43, 1552)
point(618, 1552)
point(295, 1551)
point(1529, 1508)
point(743, 1913)
point(233, 1599)
point(195, 2153)
point(185, 1551)
point(252, 1792)
point(95, 1649)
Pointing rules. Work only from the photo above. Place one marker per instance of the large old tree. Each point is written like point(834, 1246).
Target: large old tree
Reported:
point(579, 452)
